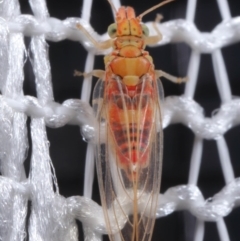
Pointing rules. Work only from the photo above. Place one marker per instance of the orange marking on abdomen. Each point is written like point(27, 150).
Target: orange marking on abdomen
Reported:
point(135, 152)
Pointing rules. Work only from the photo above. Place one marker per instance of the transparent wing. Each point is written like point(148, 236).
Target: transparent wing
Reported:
point(129, 154)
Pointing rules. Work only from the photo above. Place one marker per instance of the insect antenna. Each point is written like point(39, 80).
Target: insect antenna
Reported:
point(113, 7)
point(153, 8)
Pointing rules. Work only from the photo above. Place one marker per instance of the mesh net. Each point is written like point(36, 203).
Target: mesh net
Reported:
point(198, 164)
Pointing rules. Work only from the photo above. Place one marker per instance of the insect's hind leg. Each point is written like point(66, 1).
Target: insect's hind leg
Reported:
point(96, 72)
point(174, 79)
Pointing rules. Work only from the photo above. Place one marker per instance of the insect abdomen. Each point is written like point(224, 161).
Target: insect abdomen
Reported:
point(132, 144)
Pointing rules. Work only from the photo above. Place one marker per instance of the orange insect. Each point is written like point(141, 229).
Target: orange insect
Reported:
point(127, 100)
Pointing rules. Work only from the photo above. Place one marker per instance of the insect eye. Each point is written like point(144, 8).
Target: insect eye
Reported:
point(145, 30)
point(112, 30)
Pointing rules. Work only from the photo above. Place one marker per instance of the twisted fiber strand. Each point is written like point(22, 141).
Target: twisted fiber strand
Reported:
point(175, 110)
point(187, 111)
point(182, 197)
point(225, 33)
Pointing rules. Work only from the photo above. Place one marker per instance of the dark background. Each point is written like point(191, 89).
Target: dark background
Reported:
point(67, 148)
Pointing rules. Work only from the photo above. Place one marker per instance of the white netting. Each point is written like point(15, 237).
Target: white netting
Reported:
point(53, 217)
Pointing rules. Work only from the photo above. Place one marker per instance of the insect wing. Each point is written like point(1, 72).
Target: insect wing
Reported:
point(128, 155)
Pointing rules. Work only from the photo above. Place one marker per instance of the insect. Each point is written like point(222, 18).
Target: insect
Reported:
point(127, 103)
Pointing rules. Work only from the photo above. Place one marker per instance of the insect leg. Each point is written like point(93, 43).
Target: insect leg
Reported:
point(96, 72)
point(156, 38)
point(174, 79)
point(158, 19)
point(100, 45)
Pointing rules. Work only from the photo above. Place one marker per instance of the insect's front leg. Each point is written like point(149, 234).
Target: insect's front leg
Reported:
point(156, 38)
point(96, 72)
point(100, 45)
